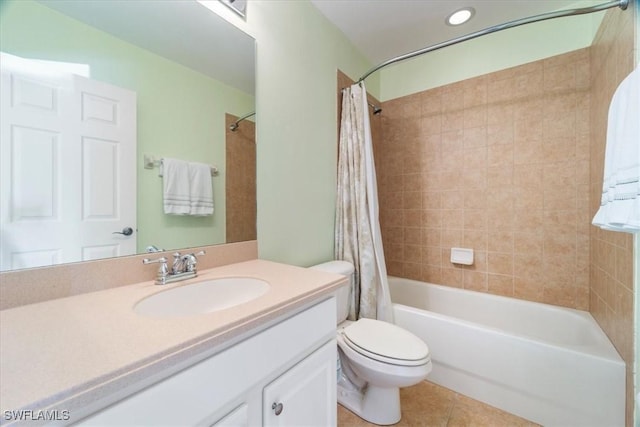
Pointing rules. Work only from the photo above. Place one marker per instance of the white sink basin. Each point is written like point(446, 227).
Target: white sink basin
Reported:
point(202, 297)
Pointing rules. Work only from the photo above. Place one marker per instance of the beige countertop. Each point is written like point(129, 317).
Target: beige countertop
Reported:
point(66, 353)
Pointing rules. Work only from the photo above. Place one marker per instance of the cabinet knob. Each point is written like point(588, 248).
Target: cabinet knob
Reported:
point(277, 408)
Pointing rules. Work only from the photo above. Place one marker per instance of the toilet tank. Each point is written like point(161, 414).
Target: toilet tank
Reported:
point(344, 268)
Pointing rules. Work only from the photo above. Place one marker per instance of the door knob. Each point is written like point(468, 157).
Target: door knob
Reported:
point(127, 231)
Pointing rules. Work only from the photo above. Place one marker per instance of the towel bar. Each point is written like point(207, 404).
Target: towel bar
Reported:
point(150, 162)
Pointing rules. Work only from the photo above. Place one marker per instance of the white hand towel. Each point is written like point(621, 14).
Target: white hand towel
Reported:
point(620, 205)
point(201, 194)
point(175, 178)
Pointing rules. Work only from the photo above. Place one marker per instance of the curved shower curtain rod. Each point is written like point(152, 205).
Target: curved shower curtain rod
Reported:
point(234, 125)
point(622, 4)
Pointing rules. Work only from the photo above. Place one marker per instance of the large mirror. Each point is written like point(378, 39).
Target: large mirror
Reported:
point(188, 73)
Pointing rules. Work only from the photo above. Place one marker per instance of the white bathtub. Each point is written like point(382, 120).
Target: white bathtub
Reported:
point(548, 364)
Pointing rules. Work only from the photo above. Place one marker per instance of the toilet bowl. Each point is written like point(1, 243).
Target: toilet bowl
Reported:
point(376, 358)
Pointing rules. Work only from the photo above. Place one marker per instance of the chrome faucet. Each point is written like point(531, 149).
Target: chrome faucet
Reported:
point(178, 264)
point(183, 267)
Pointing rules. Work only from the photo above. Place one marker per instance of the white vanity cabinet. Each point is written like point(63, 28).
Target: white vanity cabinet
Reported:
point(291, 364)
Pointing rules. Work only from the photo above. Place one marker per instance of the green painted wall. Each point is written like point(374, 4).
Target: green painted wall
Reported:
point(298, 53)
point(180, 111)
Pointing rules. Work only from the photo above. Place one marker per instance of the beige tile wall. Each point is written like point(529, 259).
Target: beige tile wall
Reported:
point(240, 181)
point(497, 163)
point(612, 288)
point(510, 164)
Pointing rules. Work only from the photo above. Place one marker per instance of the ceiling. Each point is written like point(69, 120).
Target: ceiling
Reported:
point(383, 29)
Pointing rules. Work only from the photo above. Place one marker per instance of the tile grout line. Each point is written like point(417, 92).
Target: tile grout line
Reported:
point(454, 401)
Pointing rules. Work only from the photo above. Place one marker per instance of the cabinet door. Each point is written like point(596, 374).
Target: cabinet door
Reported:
point(305, 394)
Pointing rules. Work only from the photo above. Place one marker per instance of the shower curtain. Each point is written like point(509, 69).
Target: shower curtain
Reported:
point(357, 229)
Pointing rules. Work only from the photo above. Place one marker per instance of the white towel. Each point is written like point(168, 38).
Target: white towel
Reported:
point(175, 178)
point(200, 192)
point(620, 205)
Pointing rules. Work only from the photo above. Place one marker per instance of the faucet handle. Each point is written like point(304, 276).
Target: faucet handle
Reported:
point(192, 260)
point(163, 270)
point(161, 260)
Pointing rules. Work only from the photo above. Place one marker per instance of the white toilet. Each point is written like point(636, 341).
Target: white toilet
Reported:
point(376, 359)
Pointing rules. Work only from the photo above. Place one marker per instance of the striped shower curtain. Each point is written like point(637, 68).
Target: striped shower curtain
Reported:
point(357, 229)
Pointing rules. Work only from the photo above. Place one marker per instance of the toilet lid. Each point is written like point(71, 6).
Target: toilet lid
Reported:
point(386, 342)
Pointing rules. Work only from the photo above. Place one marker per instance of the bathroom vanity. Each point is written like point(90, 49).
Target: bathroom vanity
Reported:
point(90, 359)
point(278, 375)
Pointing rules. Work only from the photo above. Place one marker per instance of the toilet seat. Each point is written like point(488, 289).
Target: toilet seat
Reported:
point(385, 342)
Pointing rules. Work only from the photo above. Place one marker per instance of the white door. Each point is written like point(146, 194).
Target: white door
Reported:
point(67, 171)
point(305, 395)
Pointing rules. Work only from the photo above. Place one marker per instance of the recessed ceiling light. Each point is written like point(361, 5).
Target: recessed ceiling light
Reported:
point(460, 16)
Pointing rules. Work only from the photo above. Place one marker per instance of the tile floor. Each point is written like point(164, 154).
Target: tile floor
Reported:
point(430, 405)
